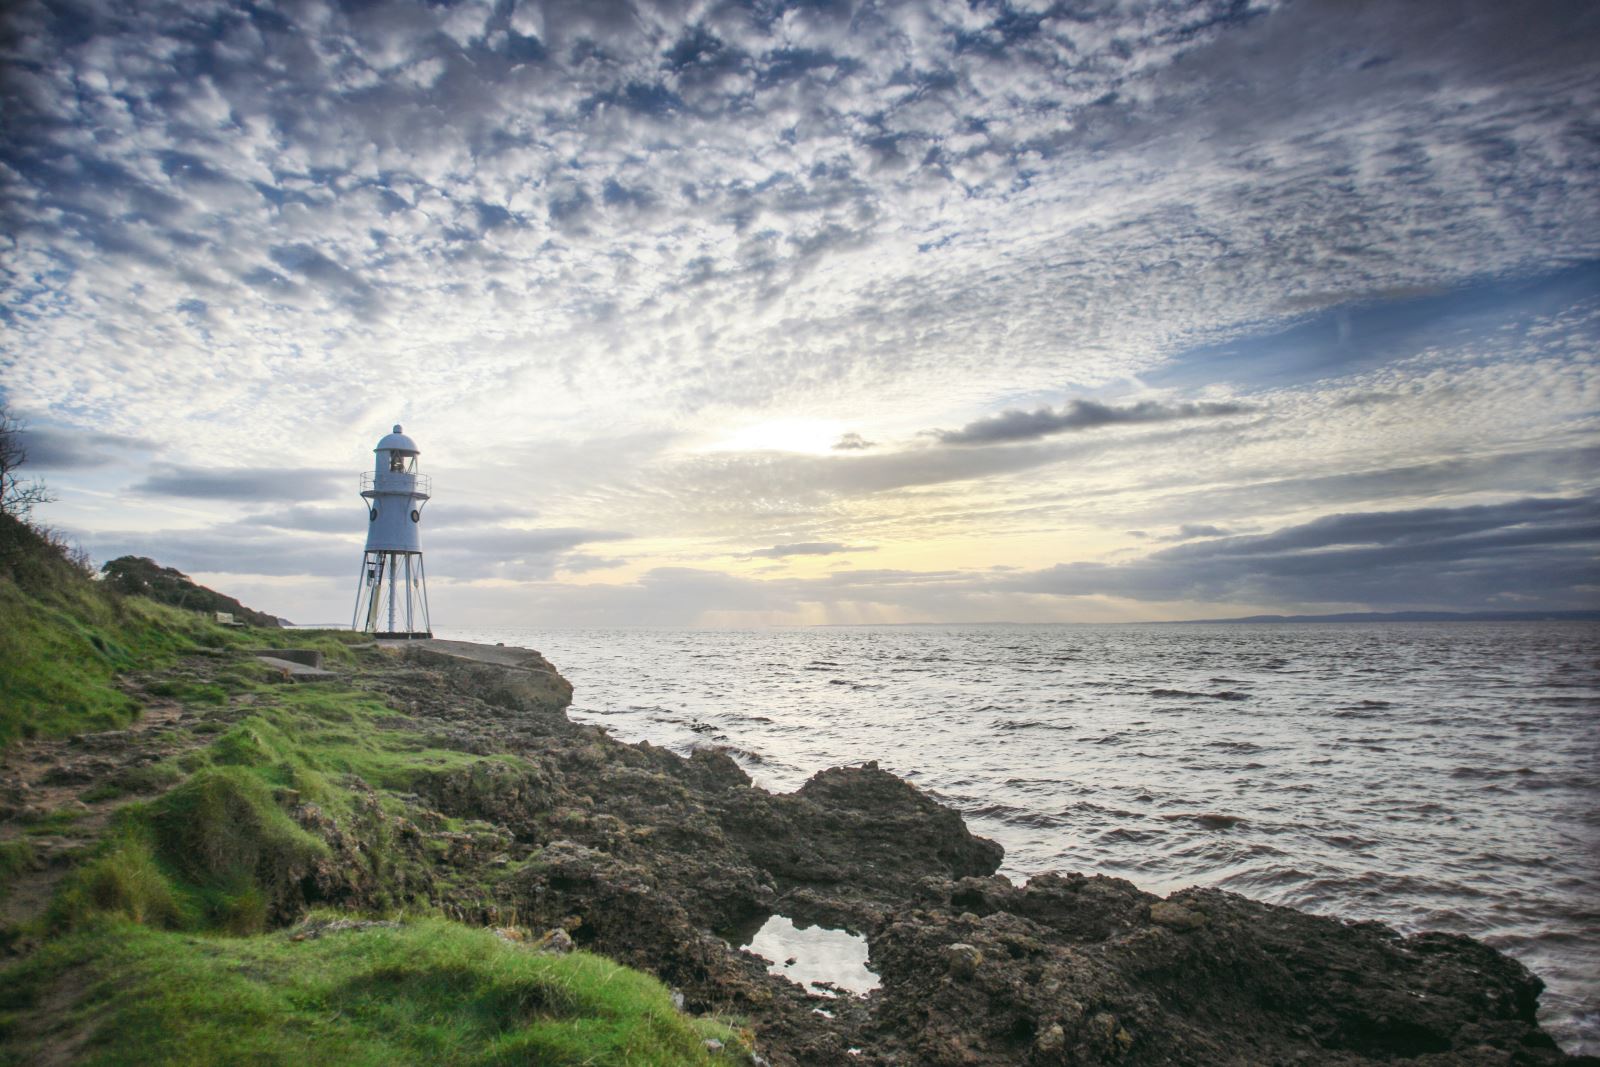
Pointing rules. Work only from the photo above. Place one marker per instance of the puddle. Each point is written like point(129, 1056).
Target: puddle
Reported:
point(814, 954)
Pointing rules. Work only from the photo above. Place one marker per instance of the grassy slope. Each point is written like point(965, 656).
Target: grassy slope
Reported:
point(424, 992)
point(60, 648)
point(154, 946)
point(64, 639)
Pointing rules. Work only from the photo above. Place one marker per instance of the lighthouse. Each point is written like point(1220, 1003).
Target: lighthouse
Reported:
point(392, 589)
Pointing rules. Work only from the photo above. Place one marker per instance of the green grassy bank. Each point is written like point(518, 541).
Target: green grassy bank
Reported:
point(172, 925)
point(429, 991)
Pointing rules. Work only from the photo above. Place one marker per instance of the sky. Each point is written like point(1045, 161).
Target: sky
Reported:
point(731, 314)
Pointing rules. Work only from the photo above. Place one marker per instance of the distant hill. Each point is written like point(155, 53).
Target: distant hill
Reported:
point(139, 576)
point(1416, 616)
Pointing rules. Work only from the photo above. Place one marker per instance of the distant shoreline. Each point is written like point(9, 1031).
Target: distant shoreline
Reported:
point(1409, 616)
point(1356, 616)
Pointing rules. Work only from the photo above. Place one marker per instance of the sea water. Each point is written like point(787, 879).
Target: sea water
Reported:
point(1441, 776)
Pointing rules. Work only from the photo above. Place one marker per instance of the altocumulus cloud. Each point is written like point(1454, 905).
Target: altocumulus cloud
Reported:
point(217, 181)
point(244, 483)
point(1015, 425)
point(1540, 551)
point(57, 448)
point(807, 548)
point(525, 554)
point(1189, 531)
point(352, 518)
point(636, 219)
point(231, 550)
point(1536, 553)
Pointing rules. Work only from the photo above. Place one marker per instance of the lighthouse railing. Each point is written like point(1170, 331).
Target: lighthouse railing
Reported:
point(396, 482)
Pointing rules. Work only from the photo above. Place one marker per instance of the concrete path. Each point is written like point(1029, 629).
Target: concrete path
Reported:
point(297, 672)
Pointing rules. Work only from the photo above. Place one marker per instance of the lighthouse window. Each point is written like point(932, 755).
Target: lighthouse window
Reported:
point(372, 515)
point(416, 516)
point(397, 462)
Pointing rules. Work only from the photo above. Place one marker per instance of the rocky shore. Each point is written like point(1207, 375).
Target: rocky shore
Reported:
point(651, 858)
point(465, 789)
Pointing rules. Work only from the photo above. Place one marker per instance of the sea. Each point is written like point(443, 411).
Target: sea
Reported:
point(1432, 776)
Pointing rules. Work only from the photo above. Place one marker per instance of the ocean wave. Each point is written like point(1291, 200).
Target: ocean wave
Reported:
point(1453, 754)
point(1209, 820)
point(1028, 724)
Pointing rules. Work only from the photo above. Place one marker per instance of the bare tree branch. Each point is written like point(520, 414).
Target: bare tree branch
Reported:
point(18, 496)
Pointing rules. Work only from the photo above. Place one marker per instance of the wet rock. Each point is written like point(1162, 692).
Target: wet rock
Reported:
point(556, 942)
point(1106, 1036)
point(857, 825)
point(1175, 916)
point(963, 959)
point(522, 681)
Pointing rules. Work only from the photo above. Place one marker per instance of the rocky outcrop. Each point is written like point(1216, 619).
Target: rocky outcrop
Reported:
point(857, 827)
point(1075, 969)
point(664, 861)
point(515, 678)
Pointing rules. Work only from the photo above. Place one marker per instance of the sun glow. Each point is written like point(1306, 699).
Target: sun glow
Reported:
point(816, 436)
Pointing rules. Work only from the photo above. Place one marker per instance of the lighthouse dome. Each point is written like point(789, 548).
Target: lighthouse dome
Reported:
point(397, 442)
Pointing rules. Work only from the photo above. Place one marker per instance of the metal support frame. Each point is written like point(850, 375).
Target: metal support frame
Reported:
point(396, 585)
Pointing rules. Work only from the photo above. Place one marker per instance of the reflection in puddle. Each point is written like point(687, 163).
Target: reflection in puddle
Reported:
point(810, 955)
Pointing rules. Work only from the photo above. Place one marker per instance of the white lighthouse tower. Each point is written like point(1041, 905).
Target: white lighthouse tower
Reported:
point(392, 590)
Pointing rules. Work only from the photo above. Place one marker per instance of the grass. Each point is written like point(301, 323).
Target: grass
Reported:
point(124, 880)
point(429, 991)
point(62, 647)
point(308, 739)
point(64, 639)
point(15, 857)
point(215, 853)
point(188, 691)
point(139, 965)
point(155, 946)
point(218, 850)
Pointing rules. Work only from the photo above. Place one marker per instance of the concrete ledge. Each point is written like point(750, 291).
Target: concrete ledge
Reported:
point(297, 672)
point(309, 657)
point(501, 655)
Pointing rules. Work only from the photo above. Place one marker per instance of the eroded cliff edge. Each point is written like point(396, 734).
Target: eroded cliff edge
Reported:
point(653, 858)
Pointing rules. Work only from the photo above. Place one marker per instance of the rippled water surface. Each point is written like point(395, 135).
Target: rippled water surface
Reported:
point(1429, 775)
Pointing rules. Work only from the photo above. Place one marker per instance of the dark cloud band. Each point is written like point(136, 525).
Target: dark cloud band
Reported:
point(1009, 426)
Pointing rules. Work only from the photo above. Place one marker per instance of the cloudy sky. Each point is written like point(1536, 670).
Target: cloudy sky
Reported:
point(734, 313)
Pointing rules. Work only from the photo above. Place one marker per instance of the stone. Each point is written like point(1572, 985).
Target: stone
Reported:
point(557, 942)
point(1175, 916)
point(963, 959)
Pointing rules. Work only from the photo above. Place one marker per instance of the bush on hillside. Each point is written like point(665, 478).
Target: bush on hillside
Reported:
point(140, 576)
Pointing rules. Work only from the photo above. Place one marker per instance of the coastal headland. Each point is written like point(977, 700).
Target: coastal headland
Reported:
point(307, 857)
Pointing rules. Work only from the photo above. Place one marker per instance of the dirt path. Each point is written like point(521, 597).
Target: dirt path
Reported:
point(46, 799)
